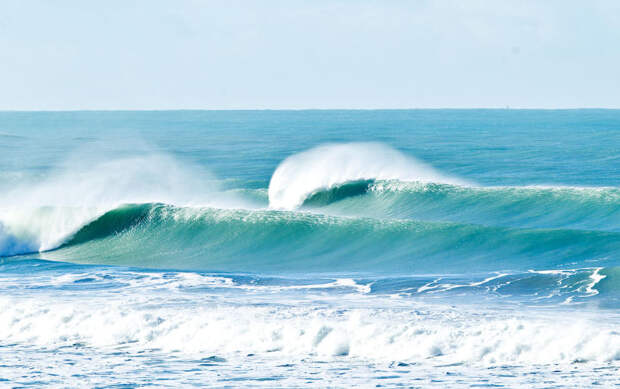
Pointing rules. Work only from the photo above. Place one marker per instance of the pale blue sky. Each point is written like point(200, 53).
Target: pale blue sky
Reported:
point(308, 54)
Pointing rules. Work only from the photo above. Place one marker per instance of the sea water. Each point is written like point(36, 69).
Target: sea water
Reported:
point(459, 248)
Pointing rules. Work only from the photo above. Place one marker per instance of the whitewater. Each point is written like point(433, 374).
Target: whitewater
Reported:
point(328, 248)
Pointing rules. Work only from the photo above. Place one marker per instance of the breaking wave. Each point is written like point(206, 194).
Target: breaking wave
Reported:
point(322, 168)
point(349, 207)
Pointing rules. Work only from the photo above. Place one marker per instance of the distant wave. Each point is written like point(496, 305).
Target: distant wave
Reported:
point(324, 167)
point(516, 206)
point(7, 135)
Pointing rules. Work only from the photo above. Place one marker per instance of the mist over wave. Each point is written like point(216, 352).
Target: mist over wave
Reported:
point(41, 215)
point(324, 167)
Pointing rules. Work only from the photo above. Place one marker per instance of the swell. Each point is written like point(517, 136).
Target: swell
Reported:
point(522, 207)
point(157, 235)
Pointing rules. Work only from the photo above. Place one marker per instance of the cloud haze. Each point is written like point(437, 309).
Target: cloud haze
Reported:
point(308, 54)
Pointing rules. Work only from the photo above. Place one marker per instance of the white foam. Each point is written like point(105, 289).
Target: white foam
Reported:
point(326, 166)
point(596, 277)
point(437, 286)
point(417, 334)
point(347, 283)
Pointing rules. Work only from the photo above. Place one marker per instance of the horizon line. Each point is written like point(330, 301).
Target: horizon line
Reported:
point(508, 108)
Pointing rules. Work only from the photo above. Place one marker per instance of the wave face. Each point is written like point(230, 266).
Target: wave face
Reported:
point(338, 193)
point(157, 235)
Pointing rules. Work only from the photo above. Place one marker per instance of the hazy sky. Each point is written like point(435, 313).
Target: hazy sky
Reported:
point(308, 54)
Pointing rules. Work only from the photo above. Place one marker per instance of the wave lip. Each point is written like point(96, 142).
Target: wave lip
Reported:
point(324, 167)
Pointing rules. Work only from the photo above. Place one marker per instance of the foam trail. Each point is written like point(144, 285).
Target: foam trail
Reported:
point(323, 167)
point(596, 277)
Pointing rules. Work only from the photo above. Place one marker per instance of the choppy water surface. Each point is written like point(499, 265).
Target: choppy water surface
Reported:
point(328, 248)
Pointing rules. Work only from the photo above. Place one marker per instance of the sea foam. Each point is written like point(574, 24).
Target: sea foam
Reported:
point(419, 334)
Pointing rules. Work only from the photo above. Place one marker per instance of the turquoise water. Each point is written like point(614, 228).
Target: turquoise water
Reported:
point(447, 247)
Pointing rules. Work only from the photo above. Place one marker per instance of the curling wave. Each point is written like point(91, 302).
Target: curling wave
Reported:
point(322, 168)
point(159, 235)
point(347, 207)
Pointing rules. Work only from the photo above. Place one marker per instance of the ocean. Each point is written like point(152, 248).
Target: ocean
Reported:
point(395, 248)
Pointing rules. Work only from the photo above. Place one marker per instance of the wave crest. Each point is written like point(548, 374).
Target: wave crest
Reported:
point(324, 167)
